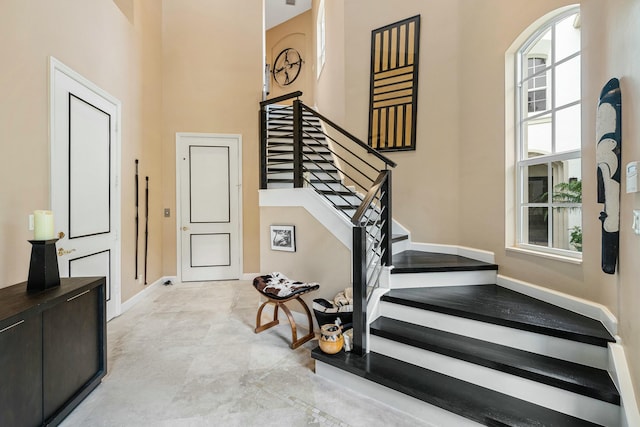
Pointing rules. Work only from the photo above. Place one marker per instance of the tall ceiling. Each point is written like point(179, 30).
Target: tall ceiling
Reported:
point(278, 11)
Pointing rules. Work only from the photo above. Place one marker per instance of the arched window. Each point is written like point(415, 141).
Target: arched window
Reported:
point(548, 140)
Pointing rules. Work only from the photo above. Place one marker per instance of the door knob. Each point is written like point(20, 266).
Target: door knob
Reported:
point(185, 228)
point(61, 235)
point(62, 251)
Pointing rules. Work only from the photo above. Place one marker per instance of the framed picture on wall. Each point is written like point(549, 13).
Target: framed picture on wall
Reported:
point(283, 238)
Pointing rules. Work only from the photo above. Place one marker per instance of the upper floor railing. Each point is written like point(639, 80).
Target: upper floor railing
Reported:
point(300, 147)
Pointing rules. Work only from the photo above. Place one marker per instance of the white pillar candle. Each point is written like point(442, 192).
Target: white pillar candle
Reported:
point(43, 225)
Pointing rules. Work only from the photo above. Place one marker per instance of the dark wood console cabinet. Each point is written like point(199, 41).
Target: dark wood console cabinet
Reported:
point(53, 350)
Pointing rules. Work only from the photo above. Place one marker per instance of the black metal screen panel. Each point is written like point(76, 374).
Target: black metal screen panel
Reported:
point(394, 85)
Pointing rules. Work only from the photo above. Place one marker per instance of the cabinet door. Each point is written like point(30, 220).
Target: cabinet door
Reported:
point(72, 348)
point(21, 372)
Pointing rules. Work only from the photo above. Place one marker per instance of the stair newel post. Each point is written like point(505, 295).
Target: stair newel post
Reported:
point(297, 144)
point(263, 148)
point(359, 290)
point(387, 217)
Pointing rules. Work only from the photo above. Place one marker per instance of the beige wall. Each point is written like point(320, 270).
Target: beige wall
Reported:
point(430, 209)
point(455, 188)
point(330, 85)
point(319, 256)
point(119, 53)
point(613, 51)
point(296, 33)
point(212, 83)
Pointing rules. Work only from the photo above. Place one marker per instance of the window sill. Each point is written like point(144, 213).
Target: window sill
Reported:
point(547, 255)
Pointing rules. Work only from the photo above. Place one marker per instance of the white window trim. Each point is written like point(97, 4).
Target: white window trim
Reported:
point(321, 42)
point(518, 245)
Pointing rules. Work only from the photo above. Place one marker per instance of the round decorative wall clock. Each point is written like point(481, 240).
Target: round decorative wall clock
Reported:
point(286, 67)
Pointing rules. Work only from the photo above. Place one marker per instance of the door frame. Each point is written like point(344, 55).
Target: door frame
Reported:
point(57, 66)
point(237, 137)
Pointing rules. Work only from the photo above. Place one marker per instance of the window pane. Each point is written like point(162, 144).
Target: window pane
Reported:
point(537, 227)
point(568, 129)
point(541, 48)
point(536, 92)
point(538, 184)
point(568, 82)
point(536, 136)
point(567, 181)
point(567, 228)
point(567, 37)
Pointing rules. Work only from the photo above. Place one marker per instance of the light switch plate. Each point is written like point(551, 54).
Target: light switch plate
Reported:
point(636, 221)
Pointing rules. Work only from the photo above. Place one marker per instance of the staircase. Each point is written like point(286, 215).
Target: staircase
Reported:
point(441, 339)
point(480, 352)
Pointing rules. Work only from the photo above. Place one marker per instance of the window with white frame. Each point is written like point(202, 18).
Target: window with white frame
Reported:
point(320, 39)
point(548, 161)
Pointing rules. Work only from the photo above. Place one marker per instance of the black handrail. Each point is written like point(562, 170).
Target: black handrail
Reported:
point(296, 94)
point(296, 144)
point(368, 199)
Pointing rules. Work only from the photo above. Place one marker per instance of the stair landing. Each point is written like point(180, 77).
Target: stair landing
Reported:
point(412, 261)
point(497, 305)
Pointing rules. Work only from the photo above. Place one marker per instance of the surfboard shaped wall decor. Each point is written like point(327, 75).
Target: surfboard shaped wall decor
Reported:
point(608, 157)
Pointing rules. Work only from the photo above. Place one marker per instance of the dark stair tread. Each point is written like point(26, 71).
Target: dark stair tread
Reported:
point(338, 193)
point(411, 261)
point(399, 237)
point(581, 379)
point(289, 143)
point(280, 151)
point(465, 399)
point(501, 306)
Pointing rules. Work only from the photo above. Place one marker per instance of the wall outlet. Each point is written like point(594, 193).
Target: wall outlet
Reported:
point(140, 279)
point(31, 224)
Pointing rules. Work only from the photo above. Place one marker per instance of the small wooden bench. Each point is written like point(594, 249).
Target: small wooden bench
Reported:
point(278, 289)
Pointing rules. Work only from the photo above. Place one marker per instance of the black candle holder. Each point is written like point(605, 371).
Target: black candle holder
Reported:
point(43, 268)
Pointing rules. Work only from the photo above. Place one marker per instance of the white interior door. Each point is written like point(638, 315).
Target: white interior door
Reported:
point(209, 217)
point(84, 171)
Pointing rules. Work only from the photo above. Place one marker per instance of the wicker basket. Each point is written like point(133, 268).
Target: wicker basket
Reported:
point(325, 318)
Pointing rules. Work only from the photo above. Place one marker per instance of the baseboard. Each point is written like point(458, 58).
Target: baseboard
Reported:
point(619, 370)
point(577, 305)
point(128, 304)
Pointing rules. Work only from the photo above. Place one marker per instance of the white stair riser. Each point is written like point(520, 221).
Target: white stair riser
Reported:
point(554, 398)
point(400, 246)
point(415, 407)
point(560, 348)
point(448, 278)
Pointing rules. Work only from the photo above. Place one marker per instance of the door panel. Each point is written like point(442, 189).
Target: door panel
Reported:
point(209, 182)
point(97, 264)
point(89, 169)
point(210, 250)
point(209, 206)
point(84, 170)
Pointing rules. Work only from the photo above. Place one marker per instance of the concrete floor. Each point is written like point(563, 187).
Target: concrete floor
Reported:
point(187, 356)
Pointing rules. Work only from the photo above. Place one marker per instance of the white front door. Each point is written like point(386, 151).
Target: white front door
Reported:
point(209, 216)
point(84, 173)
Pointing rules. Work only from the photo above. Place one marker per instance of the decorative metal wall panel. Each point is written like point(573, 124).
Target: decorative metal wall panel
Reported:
point(394, 85)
